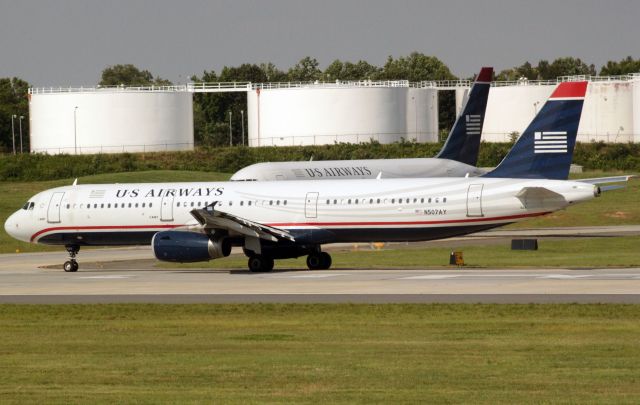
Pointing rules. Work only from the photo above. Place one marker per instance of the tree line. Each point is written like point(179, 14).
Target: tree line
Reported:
point(211, 111)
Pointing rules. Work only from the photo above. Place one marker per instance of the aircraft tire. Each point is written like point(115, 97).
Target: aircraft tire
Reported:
point(326, 260)
point(70, 266)
point(260, 264)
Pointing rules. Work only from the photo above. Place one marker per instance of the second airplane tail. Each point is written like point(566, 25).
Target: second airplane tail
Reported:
point(545, 148)
point(463, 142)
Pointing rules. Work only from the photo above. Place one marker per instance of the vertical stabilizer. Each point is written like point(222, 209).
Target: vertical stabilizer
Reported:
point(463, 142)
point(545, 148)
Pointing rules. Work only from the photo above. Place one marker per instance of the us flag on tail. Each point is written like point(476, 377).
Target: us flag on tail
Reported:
point(550, 142)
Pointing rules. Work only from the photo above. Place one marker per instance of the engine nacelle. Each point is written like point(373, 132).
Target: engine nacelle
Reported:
point(186, 247)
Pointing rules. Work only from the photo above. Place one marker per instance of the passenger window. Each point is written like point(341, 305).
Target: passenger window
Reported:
point(415, 200)
point(444, 200)
point(378, 201)
point(356, 200)
point(285, 202)
point(335, 202)
point(393, 200)
point(102, 205)
point(177, 204)
point(143, 204)
point(241, 203)
point(24, 208)
point(422, 200)
point(136, 205)
point(150, 205)
point(429, 200)
point(370, 200)
point(129, 205)
point(278, 202)
point(249, 203)
point(109, 205)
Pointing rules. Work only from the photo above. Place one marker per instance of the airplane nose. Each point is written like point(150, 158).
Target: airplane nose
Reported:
point(12, 226)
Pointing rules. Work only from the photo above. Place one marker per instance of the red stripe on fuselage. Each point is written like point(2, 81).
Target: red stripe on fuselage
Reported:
point(450, 221)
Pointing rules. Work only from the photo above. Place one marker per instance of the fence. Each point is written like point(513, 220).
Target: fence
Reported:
point(88, 150)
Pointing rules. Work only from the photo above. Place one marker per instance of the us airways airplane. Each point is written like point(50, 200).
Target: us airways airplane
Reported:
point(458, 157)
point(188, 222)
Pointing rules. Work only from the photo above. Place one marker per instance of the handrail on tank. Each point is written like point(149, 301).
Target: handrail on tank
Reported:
point(197, 87)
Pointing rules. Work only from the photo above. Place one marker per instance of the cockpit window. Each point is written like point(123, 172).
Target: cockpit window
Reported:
point(32, 205)
point(25, 206)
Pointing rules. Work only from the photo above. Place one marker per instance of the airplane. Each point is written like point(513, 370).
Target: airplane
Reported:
point(457, 158)
point(200, 221)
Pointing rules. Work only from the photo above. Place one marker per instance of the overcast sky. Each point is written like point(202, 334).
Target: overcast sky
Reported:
point(70, 42)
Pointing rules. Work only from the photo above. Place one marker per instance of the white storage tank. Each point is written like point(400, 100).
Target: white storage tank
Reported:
point(111, 120)
point(611, 110)
point(325, 114)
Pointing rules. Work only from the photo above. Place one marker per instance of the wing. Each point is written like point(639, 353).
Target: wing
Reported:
point(216, 219)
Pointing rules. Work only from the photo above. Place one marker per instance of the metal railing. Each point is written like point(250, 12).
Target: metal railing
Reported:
point(90, 150)
point(209, 87)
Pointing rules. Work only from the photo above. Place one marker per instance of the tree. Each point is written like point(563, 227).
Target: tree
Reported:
point(305, 71)
point(564, 67)
point(525, 70)
point(129, 75)
point(13, 101)
point(346, 71)
point(624, 67)
point(415, 68)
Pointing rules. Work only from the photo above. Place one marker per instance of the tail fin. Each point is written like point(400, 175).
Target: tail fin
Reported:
point(463, 141)
point(545, 148)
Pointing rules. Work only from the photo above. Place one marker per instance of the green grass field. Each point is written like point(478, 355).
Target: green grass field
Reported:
point(482, 354)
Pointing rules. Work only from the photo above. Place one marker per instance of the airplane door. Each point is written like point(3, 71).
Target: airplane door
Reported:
point(474, 200)
point(166, 208)
point(311, 205)
point(53, 212)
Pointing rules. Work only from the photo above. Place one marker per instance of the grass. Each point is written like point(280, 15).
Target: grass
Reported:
point(320, 353)
point(552, 253)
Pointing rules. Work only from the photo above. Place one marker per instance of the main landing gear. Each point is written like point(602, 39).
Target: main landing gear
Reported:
point(315, 261)
point(319, 261)
point(260, 264)
point(71, 265)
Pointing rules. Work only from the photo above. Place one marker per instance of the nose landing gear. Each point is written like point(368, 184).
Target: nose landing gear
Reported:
point(71, 265)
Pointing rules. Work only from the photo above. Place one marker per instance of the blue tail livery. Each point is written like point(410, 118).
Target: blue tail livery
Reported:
point(463, 141)
point(545, 148)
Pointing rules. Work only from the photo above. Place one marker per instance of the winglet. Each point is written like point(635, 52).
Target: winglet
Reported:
point(75, 182)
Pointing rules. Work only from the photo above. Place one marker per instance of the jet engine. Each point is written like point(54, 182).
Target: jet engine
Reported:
point(186, 247)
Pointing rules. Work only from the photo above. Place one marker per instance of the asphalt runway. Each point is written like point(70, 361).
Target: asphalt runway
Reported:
point(133, 278)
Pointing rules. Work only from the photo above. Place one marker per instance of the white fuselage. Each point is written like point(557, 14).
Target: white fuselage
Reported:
point(318, 212)
point(356, 169)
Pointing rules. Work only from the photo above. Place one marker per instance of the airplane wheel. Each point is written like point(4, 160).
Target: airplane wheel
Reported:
point(319, 261)
point(259, 264)
point(314, 261)
point(70, 266)
point(326, 260)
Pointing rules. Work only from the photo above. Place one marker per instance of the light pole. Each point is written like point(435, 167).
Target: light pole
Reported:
point(20, 124)
point(13, 133)
point(242, 121)
point(230, 130)
point(75, 130)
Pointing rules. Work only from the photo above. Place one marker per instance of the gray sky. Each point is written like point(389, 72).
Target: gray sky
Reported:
point(70, 42)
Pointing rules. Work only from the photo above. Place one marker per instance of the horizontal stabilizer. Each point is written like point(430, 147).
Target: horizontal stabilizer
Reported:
point(607, 180)
point(215, 219)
